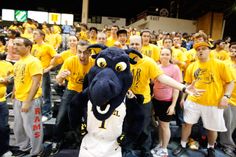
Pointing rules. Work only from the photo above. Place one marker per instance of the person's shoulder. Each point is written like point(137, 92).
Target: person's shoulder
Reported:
point(149, 60)
point(174, 66)
point(71, 59)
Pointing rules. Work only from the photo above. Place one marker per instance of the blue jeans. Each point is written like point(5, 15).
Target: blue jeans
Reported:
point(4, 128)
point(46, 87)
point(62, 120)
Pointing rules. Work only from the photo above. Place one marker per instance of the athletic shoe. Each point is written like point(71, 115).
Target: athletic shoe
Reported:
point(179, 150)
point(20, 153)
point(7, 154)
point(155, 149)
point(161, 153)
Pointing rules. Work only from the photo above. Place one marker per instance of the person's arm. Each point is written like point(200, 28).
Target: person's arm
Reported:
point(33, 90)
point(171, 109)
point(181, 87)
point(62, 76)
point(228, 90)
point(54, 57)
point(170, 82)
point(53, 61)
point(181, 103)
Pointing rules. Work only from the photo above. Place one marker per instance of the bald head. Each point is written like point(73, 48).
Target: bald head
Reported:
point(135, 42)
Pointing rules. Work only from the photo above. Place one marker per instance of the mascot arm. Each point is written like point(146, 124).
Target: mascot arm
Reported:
point(78, 109)
point(134, 120)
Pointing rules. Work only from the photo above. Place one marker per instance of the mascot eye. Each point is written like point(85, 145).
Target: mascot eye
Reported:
point(101, 62)
point(121, 66)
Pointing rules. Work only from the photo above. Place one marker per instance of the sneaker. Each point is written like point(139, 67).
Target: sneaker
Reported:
point(46, 116)
point(20, 153)
point(161, 153)
point(155, 149)
point(7, 154)
point(179, 150)
point(211, 152)
point(55, 148)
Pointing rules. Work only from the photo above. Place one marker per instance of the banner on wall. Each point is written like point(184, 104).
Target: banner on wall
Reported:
point(54, 18)
point(39, 16)
point(8, 14)
point(21, 15)
point(67, 17)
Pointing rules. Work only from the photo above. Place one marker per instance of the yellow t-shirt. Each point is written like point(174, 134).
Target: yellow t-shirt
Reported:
point(83, 35)
point(2, 48)
point(57, 29)
point(110, 41)
point(179, 55)
point(24, 69)
point(92, 41)
point(145, 70)
point(54, 40)
point(28, 36)
point(152, 51)
point(44, 53)
point(232, 66)
point(160, 42)
point(77, 72)
point(27, 25)
point(191, 56)
point(6, 70)
point(64, 55)
point(211, 76)
point(222, 55)
point(12, 27)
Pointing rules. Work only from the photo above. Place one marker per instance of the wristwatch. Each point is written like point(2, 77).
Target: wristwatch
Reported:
point(227, 96)
point(183, 90)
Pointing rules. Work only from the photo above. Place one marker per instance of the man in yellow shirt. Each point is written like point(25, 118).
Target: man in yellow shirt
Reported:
point(93, 31)
point(6, 72)
point(101, 38)
point(74, 70)
point(60, 58)
point(148, 49)
point(226, 139)
point(113, 37)
point(219, 52)
point(145, 69)
point(45, 53)
point(215, 78)
point(28, 71)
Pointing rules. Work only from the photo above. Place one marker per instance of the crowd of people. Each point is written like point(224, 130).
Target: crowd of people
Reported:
point(29, 51)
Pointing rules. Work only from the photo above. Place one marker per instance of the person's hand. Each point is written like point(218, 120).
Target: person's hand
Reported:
point(130, 94)
point(191, 90)
point(223, 103)
point(171, 110)
point(25, 106)
point(64, 74)
point(181, 103)
point(2, 80)
point(46, 70)
point(118, 44)
point(174, 61)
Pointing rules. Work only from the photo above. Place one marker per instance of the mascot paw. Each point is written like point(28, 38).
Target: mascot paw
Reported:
point(83, 129)
point(120, 139)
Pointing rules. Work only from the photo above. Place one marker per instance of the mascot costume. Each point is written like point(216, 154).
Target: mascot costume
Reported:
point(113, 118)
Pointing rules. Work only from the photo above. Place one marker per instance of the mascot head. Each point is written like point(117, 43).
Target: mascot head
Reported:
point(108, 80)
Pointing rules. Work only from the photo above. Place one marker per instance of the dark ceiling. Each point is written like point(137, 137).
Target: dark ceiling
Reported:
point(129, 9)
point(188, 9)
